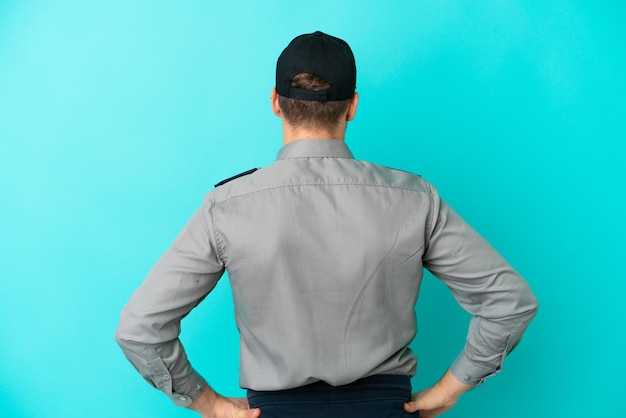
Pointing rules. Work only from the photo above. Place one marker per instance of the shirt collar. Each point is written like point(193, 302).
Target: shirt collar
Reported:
point(316, 148)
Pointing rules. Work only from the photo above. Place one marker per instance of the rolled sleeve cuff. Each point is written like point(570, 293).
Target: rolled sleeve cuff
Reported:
point(467, 372)
point(182, 391)
point(189, 391)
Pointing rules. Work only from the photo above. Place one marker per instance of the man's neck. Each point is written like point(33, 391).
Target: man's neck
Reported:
point(291, 134)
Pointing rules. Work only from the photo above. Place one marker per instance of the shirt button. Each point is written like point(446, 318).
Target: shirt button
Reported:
point(166, 377)
point(467, 377)
point(183, 398)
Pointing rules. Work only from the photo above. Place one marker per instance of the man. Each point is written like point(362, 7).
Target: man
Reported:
point(325, 255)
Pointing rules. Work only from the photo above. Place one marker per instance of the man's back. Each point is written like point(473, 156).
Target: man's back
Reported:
point(324, 258)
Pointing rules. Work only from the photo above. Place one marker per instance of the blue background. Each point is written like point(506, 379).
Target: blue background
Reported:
point(116, 117)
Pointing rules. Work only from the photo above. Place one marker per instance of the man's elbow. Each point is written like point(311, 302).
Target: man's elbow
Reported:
point(119, 336)
point(531, 306)
point(122, 333)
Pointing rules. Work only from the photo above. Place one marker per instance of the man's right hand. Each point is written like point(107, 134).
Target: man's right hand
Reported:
point(212, 405)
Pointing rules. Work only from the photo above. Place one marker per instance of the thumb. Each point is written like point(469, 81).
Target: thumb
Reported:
point(425, 400)
point(417, 402)
point(410, 407)
point(251, 413)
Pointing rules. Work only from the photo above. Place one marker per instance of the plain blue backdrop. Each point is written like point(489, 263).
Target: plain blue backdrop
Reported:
point(117, 116)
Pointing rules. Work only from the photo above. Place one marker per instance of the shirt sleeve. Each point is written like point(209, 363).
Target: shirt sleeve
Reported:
point(149, 325)
point(482, 281)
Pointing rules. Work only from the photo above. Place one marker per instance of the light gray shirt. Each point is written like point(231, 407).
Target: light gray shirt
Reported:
point(325, 256)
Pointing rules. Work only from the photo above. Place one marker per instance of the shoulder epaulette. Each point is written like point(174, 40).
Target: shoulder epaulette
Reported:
point(403, 171)
point(245, 173)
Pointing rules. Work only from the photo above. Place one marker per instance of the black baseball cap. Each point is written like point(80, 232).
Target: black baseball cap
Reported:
point(320, 54)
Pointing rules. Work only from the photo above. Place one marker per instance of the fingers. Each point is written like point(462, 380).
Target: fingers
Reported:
point(253, 413)
point(231, 408)
point(244, 408)
point(429, 402)
point(410, 407)
point(240, 402)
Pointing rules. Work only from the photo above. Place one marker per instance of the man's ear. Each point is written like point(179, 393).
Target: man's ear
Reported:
point(354, 101)
point(274, 103)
